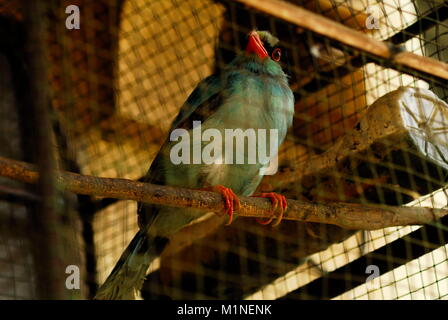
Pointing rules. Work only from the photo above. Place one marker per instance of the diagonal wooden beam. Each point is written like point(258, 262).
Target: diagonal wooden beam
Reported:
point(347, 36)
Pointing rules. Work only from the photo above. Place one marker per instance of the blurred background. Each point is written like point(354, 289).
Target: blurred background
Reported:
point(99, 99)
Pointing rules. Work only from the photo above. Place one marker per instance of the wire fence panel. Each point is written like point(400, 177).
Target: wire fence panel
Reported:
point(95, 93)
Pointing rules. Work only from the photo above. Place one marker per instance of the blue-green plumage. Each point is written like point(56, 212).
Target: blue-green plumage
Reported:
point(250, 93)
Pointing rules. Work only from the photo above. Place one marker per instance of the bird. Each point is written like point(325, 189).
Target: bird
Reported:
point(252, 91)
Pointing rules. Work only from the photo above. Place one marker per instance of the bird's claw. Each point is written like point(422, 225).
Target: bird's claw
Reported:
point(231, 201)
point(278, 201)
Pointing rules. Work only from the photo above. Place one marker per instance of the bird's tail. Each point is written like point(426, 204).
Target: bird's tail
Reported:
point(128, 275)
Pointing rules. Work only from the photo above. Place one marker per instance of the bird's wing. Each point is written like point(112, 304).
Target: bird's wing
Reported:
point(201, 104)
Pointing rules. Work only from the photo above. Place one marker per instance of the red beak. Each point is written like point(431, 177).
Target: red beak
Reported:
point(256, 46)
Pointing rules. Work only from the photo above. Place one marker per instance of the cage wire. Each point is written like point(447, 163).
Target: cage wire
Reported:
point(366, 130)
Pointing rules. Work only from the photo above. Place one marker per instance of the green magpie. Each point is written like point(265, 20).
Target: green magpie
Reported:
point(251, 92)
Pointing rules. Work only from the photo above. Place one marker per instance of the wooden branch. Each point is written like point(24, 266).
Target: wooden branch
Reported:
point(346, 215)
point(385, 156)
point(355, 39)
point(350, 17)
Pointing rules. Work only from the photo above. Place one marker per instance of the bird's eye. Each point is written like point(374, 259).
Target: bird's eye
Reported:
point(276, 54)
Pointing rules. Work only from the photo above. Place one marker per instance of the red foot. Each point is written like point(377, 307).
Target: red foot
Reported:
point(231, 201)
point(275, 200)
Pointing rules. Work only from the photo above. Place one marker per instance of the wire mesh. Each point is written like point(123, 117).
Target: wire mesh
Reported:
point(117, 83)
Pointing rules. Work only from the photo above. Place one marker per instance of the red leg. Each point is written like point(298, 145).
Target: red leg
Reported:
point(231, 201)
point(278, 201)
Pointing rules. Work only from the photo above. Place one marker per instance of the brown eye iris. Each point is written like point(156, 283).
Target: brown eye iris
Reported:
point(276, 54)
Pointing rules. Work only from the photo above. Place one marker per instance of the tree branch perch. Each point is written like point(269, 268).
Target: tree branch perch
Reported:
point(346, 215)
